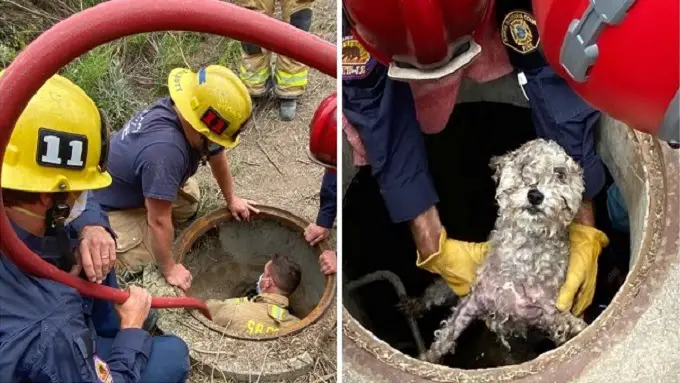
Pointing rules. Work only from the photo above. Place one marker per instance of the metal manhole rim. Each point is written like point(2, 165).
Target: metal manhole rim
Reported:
point(220, 215)
point(552, 362)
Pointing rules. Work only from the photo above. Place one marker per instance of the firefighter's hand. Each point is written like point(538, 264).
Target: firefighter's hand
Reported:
point(315, 234)
point(328, 262)
point(242, 208)
point(179, 276)
point(586, 244)
point(96, 252)
point(456, 261)
point(135, 309)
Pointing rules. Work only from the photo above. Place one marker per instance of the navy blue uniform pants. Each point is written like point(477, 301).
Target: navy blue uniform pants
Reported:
point(168, 360)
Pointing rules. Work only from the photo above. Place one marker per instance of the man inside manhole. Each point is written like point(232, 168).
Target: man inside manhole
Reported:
point(384, 112)
point(267, 312)
point(48, 331)
point(154, 156)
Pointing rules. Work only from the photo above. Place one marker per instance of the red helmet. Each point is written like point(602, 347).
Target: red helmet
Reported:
point(620, 56)
point(425, 34)
point(323, 133)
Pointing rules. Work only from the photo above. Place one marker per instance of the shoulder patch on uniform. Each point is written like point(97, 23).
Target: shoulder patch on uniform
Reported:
point(519, 32)
point(278, 313)
point(102, 370)
point(235, 301)
point(357, 63)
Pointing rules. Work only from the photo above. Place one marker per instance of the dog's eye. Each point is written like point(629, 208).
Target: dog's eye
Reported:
point(561, 173)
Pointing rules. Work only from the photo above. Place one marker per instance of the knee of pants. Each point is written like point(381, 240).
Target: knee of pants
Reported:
point(168, 362)
point(302, 19)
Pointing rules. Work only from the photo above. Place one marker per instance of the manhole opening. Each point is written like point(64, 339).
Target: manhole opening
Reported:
point(459, 158)
point(226, 258)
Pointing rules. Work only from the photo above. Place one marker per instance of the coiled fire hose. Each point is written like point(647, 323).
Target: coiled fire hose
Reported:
point(112, 20)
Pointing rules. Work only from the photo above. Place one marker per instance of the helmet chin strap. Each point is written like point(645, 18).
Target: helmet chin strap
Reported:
point(55, 218)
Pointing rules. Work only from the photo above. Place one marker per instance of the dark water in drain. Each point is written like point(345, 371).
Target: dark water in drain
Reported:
point(459, 158)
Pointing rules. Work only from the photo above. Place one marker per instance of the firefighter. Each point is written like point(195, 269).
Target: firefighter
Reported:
point(323, 151)
point(48, 331)
point(154, 157)
point(380, 97)
point(267, 312)
point(290, 75)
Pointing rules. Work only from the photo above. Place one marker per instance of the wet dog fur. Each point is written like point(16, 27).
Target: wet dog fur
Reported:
point(539, 191)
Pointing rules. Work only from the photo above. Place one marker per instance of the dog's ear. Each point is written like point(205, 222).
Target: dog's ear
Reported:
point(497, 163)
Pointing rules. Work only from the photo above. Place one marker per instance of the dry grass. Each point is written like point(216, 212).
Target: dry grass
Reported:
point(270, 165)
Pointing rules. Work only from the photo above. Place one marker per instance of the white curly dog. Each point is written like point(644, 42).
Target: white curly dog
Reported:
point(539, 192)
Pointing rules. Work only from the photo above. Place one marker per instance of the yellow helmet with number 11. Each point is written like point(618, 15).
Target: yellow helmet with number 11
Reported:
point(213, 101)
point(59, 143)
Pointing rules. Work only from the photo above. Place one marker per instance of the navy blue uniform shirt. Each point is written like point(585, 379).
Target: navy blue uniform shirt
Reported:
point(558, 113)
point(149, 158)
point(46, 330)
point(327, 200)
point(384, 114)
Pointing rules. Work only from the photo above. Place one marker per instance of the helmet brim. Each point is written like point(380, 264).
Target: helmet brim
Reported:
point(15, 178)
point(320, 163)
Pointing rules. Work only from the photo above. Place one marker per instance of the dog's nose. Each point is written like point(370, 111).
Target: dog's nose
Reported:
point(535, 197)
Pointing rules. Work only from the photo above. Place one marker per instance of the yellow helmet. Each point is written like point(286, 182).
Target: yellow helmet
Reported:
point(59, 143)
point(214, 101)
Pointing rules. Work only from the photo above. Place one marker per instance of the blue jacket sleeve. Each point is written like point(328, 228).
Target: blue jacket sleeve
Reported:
point(383, 112)
point(558, 113)
point(106, 321)
point(328, 201)
point(92, 215)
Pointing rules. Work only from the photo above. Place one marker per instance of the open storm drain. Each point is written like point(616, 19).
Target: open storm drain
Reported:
point(226, 258)
point(382, 344)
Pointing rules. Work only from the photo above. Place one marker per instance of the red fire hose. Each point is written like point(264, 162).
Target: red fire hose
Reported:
point(111, 20)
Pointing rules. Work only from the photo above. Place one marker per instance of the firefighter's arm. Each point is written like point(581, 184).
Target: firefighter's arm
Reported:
point(383, 113)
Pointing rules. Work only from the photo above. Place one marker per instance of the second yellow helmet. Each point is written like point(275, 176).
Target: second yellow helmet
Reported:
point(214, 101)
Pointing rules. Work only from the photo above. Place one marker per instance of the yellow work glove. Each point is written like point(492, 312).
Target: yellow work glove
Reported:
point(577, 293)
point(456, 261)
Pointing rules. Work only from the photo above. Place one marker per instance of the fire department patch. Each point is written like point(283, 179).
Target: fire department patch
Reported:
point(102, 370)
point(519, 32)
point(357, 63)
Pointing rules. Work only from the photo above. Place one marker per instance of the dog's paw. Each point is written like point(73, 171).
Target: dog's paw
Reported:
point(566, 327)
point(430, 356)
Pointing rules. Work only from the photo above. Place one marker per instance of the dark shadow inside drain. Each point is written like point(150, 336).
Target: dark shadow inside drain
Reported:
point(227, 260)
point(459, 158)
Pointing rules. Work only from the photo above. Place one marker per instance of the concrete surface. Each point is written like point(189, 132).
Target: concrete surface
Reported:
point(650, 352)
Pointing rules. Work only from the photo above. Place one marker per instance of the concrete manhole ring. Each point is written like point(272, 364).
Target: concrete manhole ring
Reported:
point(219, 251)
point(649, 179)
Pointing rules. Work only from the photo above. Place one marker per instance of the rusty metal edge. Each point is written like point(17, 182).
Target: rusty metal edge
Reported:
point(213, 219)
point(367, 354)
